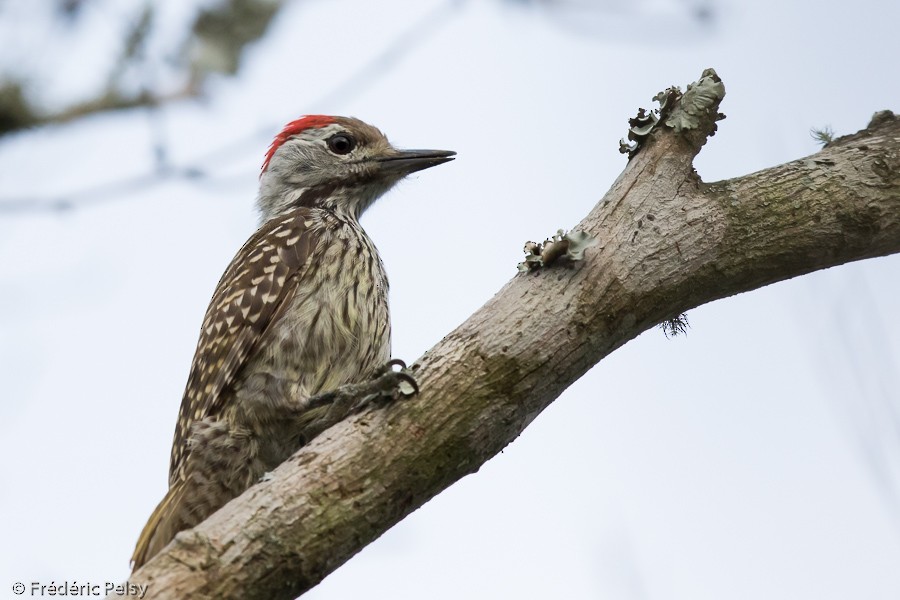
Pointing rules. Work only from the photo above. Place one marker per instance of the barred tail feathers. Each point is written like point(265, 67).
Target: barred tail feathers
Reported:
point(160, 528)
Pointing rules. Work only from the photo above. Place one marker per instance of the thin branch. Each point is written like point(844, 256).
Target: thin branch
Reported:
point(219, 36)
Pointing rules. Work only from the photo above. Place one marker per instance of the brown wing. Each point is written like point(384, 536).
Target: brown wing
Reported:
point(259, 280)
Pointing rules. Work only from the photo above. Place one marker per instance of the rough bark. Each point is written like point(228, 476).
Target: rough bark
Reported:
point(667, 242)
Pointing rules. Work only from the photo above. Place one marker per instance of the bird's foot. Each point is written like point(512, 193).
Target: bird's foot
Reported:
point(395, 384)
point(324, 410)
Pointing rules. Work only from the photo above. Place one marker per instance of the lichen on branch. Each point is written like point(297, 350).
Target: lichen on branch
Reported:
point(688, 111)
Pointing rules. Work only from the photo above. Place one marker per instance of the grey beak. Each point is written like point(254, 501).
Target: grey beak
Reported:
point(405, 162)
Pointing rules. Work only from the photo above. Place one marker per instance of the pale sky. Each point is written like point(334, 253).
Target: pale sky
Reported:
point(757, 457)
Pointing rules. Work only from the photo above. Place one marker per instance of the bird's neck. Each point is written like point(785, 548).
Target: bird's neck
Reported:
point(276, 197)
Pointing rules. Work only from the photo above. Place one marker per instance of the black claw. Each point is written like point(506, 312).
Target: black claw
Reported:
point(394, 362)
point(388, 367)
point(410, 380)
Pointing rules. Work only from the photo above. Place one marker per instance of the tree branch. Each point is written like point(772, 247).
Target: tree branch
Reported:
point(667, 242)
point(219, 36)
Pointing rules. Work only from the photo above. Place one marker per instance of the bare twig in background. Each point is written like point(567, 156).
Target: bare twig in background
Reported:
point(218, 38)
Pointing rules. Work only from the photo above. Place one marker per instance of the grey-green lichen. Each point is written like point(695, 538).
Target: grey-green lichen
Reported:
point(562, 246)
point(676, 110)
point(703, 95)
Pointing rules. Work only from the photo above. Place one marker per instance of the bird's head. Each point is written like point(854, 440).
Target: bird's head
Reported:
point(336, 163)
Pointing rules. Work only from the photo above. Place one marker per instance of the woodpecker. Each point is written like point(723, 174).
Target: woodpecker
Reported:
point(297, 334)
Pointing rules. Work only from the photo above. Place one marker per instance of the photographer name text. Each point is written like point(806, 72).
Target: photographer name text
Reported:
point(75, 588)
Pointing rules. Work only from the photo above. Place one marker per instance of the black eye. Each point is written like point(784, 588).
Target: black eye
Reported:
point(341, 143)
